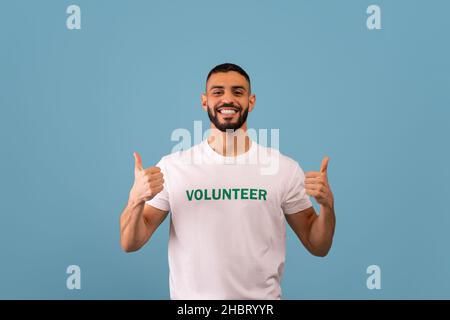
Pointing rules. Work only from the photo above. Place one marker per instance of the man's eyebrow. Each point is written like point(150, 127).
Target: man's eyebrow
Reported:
point(222, 87)
point(216, 87)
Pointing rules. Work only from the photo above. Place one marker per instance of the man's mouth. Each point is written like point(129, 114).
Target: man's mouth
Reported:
point(227, 110)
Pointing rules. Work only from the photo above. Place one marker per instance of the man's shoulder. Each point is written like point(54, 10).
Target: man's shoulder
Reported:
point(284, 160)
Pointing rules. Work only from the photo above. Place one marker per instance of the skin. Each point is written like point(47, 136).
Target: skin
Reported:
point(139, 221)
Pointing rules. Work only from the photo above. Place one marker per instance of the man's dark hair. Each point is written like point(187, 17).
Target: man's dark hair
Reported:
point(227, 67)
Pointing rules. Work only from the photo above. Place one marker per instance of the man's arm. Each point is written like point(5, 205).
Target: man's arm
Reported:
point(137, 224)
point(138, 221)
point(314, 231)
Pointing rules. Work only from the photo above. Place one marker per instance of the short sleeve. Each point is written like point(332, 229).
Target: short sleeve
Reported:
point(161, 200)
point(295, 198)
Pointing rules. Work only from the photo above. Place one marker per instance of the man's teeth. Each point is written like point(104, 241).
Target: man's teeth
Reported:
point(227, 111)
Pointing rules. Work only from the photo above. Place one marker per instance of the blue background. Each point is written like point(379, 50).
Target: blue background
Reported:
point(75, 104)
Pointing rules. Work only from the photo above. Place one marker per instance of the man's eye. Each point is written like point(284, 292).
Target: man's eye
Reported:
point(217, 92)
point(238, 93)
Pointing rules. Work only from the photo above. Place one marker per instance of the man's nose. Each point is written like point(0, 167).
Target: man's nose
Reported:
point(227, 99)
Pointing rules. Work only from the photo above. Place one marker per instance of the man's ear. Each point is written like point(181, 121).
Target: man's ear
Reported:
point(204, 102)
point(251, 102)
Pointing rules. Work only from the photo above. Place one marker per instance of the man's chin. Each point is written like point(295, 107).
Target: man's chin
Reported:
point(230, 124)
point(228, 128)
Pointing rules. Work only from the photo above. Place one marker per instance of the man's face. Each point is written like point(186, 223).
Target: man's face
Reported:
point(228, 100)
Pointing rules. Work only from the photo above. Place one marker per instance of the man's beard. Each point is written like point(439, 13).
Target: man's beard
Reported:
point(228, 125)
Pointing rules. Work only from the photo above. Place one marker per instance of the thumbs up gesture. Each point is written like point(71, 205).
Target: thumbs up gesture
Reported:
point(147, 182)
point(316, 185)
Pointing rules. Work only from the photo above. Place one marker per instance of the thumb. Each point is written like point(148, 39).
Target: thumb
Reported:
point(324, 165)
point(137, 161)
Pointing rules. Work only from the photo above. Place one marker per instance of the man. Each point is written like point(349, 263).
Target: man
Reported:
point(227, 228)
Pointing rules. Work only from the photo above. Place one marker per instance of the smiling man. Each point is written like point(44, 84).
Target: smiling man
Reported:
point(227, 222)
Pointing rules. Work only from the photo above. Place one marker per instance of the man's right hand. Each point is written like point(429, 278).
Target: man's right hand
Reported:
point(147, 182)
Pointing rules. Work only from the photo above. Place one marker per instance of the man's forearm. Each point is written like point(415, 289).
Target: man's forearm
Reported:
point(133, 229)
point(322, 230)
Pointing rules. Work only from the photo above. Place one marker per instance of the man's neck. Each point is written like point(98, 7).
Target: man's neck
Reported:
point(229, 144)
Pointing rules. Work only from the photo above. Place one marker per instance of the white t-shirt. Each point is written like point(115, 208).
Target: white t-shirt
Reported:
point(227, 225)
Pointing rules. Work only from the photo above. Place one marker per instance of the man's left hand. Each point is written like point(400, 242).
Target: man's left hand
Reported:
point(316, 185)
